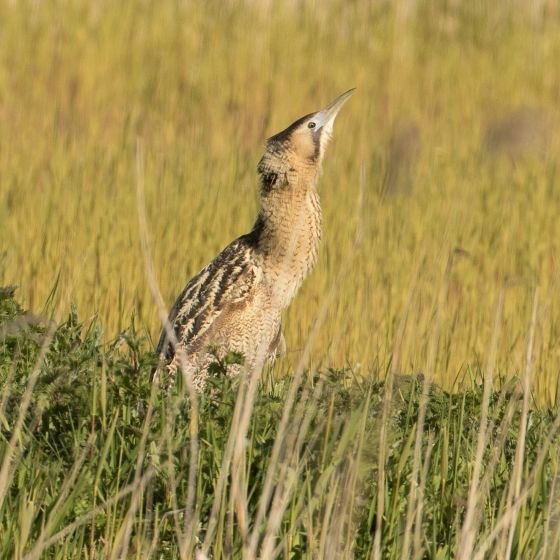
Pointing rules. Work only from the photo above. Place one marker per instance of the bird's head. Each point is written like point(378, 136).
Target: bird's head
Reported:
point(301, 146)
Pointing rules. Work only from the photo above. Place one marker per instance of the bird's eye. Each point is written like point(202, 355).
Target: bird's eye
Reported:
point(311, 125)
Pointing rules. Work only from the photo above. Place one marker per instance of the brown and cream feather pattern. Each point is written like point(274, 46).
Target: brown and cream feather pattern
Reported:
point(235, 303)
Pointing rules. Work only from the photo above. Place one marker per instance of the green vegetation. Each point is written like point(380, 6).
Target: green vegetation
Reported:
point(98, 463)
point(440, 255)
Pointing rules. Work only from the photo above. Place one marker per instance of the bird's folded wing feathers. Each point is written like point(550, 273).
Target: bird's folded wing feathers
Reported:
point(229, 280)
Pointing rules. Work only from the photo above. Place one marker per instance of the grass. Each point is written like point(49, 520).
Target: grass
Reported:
point(439, 257)
point(96, 462)
point(447, 221)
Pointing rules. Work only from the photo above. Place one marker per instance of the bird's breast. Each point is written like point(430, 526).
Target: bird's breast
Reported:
point(292, 250)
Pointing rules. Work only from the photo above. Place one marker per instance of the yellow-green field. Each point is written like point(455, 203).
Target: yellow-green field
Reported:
point(440, 190)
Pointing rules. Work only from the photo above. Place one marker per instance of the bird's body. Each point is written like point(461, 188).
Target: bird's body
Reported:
point(236, 302)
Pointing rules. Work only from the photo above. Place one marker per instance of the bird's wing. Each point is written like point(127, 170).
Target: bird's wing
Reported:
point(227, 281)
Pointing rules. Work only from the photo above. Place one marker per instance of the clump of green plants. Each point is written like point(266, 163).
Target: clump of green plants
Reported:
point(97, 460)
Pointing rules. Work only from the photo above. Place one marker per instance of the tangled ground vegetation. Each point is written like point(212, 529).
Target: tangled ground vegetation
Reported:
point(96, 461)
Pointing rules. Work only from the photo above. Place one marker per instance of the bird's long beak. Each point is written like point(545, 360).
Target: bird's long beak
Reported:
point(328, 114)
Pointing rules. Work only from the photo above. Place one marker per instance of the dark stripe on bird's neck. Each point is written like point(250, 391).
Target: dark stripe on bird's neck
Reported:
point(268, 180)
point(254, 236)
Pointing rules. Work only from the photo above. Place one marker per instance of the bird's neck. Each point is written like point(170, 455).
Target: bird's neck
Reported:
point(288, 231)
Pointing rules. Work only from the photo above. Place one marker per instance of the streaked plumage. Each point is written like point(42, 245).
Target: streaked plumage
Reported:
point(235, 303)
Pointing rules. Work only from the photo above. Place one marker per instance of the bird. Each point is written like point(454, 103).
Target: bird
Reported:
point(235, 303)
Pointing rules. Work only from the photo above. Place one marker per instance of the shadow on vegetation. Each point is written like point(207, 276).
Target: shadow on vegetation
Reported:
point(525, 131)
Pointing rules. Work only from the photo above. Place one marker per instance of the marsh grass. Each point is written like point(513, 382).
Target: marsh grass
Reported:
point(96, 461)
point(448, 203)
point(418, 417)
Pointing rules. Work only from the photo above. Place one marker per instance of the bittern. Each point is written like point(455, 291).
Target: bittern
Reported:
point(235, 303)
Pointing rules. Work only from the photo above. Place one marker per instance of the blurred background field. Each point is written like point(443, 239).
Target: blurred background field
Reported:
point(440, 190)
